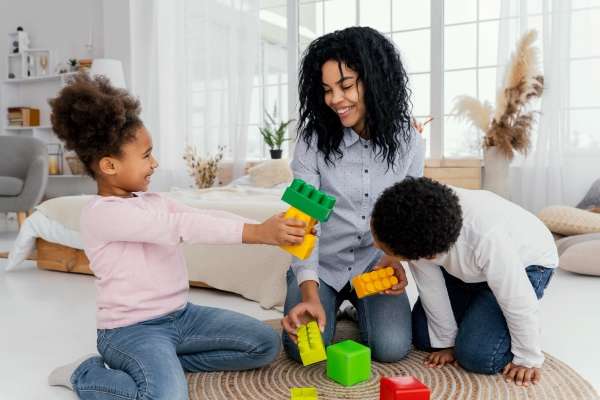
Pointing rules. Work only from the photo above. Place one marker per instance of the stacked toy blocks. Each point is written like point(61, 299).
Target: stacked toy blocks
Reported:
point(348, 362)
point(374, 282)
point(303, 393)
point(310, 344)
point(402, 388)
point(310, 205)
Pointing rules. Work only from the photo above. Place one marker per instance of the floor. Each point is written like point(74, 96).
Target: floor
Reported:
point(49, 320)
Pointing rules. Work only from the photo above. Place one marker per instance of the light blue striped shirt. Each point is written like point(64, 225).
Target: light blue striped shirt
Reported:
point(345, 245)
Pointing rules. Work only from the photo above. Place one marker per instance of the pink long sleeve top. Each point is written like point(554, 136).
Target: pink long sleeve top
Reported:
point(135, 252)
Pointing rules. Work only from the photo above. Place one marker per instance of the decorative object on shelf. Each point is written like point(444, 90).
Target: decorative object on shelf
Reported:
point(273, 133)
point(75, 164)
point(61, 68)
point(43, 61)
point(23, 116)
point(508, 128)
point(72, 64)
point(18, 41)
point(85, 64)
point(203, 170)
point(55, 159)
point(112, 69)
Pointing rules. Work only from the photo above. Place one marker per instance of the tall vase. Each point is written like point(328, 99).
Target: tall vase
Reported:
point(495, 172)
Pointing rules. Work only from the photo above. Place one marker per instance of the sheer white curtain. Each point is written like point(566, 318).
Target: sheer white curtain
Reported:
point(193, 64)
point(559, 169)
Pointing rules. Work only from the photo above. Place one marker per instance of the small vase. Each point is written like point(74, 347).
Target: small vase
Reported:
point(495, 172)
point(275, 154)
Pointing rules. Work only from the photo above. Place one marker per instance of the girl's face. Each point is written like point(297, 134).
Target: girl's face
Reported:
point(131, 171)
point(344, 94)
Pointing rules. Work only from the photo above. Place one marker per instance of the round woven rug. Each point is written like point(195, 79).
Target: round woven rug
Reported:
point(558, 382)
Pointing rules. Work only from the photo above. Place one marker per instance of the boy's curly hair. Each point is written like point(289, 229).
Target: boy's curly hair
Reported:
point(417, 218)
point(94, 118)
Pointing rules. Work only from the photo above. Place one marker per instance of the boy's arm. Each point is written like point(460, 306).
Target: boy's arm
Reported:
point(436, 303)
point(508, 280)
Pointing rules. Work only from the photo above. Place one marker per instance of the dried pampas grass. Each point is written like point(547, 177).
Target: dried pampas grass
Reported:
point(508, 128)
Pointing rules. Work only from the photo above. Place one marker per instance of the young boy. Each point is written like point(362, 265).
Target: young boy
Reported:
point(481, 263)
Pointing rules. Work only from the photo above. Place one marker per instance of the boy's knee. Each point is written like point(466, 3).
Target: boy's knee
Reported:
point(476, 359)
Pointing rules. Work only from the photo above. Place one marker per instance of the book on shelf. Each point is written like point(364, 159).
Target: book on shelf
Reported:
point(23, 116)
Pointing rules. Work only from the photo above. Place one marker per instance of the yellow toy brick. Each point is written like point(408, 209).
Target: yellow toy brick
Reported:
point(304, 393)
point(374, 282)
point(302, 251)
point(310, 344)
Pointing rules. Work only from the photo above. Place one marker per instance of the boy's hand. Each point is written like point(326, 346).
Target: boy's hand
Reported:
point(398, 288)
point(522, 376)
point(276, 230)
point(438, 359)
point(301, 314)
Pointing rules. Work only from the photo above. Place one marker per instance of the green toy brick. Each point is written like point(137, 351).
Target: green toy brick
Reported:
point(309, 200)
point(310, 344)
point(348, 362)
point(304, 393)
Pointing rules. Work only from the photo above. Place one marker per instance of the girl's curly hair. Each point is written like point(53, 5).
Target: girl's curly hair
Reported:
point(386, 93)
point(94, 118)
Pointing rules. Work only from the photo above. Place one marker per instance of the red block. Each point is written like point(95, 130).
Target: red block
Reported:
point(402, 388)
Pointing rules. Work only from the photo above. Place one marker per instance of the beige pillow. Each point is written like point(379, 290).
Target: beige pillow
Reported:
point(271, 173)
point(570, 220)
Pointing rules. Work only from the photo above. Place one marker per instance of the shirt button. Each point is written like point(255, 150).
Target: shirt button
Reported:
point(349, 268)
point(366, 146)
point(363, 217)
point(366, 171)
point(366, 194)
point(351, 250)
point(359, 238)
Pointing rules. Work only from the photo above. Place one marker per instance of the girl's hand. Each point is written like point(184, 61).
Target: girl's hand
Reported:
point(522, 376)
point(276, 230)
point(301, 314)
point(438, 359)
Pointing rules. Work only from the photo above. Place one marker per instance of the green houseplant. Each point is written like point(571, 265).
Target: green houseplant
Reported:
point(273, 133)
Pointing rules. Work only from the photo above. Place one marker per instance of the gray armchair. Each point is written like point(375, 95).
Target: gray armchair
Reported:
point(23, 173)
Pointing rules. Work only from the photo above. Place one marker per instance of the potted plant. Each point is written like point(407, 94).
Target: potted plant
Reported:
point(273, 133)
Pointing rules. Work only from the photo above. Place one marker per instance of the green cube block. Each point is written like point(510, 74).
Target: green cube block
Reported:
point(309, 200)
point(303, 393)
point(348, 362)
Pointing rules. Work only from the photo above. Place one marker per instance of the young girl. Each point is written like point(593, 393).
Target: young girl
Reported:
point(148, 333)
point(355, 139)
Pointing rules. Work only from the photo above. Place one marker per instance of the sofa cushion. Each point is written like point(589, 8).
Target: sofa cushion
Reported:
point(580, 253)
point(10, 186)
point(570, 220)
point(271, 173)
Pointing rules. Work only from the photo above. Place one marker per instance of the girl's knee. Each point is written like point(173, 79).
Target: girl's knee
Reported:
point(268, 346)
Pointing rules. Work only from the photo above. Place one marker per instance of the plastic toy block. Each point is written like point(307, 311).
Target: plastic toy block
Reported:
point(302, 251)
point(374, 282)
point(402, 388)
point(348, 362)
point(310, 344)
point(303, 393)
point(309, 200)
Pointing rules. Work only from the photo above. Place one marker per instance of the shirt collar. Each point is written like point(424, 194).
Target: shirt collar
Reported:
point(350, 137)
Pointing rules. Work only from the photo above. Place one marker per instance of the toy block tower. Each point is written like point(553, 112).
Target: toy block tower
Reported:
point(309, 205)
point(374, 282)
point(310, 344)
point(402, 388)
point(304, 393)
point(348, 363)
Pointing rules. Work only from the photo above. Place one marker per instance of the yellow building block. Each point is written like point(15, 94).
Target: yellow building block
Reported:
point(310, 344)
point(374, 282)
point(304, 393)
point(302, 251)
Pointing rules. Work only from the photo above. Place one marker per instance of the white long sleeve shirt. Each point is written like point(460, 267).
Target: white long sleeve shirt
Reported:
point(497, 242)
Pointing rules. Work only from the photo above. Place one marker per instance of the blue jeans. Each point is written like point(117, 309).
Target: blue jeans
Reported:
point(147, 360)
point(384, 321)
point(482, 344)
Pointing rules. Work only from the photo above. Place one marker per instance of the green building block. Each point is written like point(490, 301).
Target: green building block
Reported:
point(348, 362)
point(310, 344)
point(303, 393)
point(309, 200)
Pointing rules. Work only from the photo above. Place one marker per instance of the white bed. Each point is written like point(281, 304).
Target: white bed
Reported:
point(256, 272)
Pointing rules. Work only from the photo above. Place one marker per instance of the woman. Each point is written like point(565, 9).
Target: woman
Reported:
point(355, 140)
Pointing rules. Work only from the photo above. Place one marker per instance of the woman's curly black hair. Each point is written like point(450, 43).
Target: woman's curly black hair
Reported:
point(417, 218)
point(386, 93)
point(94, 118)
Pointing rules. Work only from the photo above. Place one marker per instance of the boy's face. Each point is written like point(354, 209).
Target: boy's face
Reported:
point(131, 171)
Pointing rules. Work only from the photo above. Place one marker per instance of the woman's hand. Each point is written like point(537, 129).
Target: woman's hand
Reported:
point(301, 314)
point(276, 230)
point(399, 273)
point(438, 359)
point(522, 376)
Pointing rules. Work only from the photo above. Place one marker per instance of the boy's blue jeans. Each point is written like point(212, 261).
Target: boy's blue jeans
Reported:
point(483, 341)
point(384, 321)
point(147, 360)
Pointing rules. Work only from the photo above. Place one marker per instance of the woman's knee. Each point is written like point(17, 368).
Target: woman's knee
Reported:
point(391, 347)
